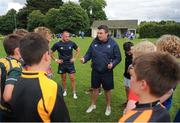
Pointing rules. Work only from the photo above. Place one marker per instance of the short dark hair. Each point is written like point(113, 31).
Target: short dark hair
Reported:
point(11, 42)
point(104, 27)
point(32, 48)
point(127, 46)
point(65, 31)
point(160, 70)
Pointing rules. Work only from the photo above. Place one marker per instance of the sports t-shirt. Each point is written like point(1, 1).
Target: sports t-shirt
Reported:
point(65, 50)
point(10, 71)
point(36, 98)
point(150, 112)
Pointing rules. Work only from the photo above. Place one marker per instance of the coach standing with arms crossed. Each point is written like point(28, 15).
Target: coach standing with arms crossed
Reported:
point(105, 55)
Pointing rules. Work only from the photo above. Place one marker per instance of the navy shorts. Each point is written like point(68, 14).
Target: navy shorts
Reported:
point(106, 79)
point(66, 68)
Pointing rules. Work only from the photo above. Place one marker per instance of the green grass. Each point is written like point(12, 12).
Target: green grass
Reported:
point(78, 107)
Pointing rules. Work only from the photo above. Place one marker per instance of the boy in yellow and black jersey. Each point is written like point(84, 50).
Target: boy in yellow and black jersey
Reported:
point(37, 98)
point(149, 80)
point(10, 70)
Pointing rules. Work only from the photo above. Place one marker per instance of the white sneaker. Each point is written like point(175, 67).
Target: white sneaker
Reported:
point(108, 111)
point(91, 108)
point(75, 96)
point(65, 93)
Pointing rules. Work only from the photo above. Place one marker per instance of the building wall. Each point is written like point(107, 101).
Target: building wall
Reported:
point(132, 30)
point(93, 32)
point(116, 33)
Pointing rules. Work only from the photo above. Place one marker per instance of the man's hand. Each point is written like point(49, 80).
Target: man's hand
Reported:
point(73, 60)
point(110, 66)
point(59, 61)
point(82, 60)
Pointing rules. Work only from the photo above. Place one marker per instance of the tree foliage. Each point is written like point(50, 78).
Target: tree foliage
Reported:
point(43, 5)
point(35, 19)
point(8, 22)
point(22, 17)
point(70, 17)
point(94, 9)
point(157, 29)
point(52, 17)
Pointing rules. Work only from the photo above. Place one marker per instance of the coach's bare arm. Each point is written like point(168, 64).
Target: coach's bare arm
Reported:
point(76, 55)
point(59, 61)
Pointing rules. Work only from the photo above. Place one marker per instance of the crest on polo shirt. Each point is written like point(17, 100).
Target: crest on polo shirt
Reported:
point(109, 46)
point(69, 47)
point(61, 48)
point(95, 45)
point(60, 71)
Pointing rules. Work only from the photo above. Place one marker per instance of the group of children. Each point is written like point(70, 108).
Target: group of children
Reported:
point(164, 81)
point(27, 94)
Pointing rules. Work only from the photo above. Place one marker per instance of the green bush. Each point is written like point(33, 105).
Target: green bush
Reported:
point(157, 29)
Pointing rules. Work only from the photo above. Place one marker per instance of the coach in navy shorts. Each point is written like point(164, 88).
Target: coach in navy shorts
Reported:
point(105, 55)
point(66, 60)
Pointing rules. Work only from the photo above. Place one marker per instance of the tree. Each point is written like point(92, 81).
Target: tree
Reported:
point(70, 17)
point(22, 17)
point(94, 9)
point(52, 17)
point(8, 22)
point(43, 5)
point(35, 19)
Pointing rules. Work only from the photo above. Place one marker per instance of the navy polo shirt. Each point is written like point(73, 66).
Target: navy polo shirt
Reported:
point(65, 50)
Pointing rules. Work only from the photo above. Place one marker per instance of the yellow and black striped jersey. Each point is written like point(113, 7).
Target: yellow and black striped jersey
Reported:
point(10, 70)
point(38, 98)
point(151, 112)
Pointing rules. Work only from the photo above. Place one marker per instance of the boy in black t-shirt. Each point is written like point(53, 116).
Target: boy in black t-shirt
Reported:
point(128, 60)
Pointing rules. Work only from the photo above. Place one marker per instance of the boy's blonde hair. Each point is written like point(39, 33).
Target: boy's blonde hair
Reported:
point(21, 32)
point(43, 31)
point(143, 47)
point(170, 44)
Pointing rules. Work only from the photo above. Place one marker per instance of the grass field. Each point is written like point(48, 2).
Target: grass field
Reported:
point(78, 107)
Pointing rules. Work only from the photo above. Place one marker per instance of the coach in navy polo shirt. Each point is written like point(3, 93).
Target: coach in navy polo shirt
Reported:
point(66, 60)
point(105, 55)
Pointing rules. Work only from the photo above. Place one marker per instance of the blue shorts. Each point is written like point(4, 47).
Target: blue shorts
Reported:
point(106, 79)
point(66, 68)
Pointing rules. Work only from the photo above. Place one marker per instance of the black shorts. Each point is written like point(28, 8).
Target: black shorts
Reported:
point(66, 68)
point(106, 79)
